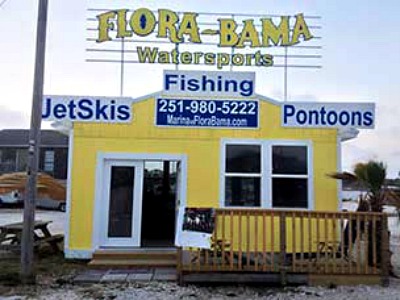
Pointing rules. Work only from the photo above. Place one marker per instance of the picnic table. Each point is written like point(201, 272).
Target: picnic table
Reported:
point(11, 236)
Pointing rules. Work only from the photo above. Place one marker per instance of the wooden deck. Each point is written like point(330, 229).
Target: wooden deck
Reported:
point(311, 246)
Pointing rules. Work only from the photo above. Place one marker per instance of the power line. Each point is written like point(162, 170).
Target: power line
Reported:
point(2, 3)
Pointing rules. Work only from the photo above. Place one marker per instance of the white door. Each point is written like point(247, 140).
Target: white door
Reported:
point(122, 200)
point(178, 202)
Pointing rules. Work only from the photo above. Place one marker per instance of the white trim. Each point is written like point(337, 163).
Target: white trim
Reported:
point(78, 254)
point(347, 134)
point(250, 175)
point(100, 168)
point(267, 181)
point(290, 175)
point(339, 169)
point(69, 191)
point(266, 169)
point(142, 156)
point(96, 232)
point(147, 97)
point(269, 100)
point(310, 170)
point(222, 159)
point(137, 198)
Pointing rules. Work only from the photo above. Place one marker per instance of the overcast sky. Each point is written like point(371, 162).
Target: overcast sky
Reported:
point(360, 61)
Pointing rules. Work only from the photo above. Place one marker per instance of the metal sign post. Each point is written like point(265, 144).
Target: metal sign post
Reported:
point(27, 273)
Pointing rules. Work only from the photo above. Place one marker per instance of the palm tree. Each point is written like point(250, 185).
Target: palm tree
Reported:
point(371, 176)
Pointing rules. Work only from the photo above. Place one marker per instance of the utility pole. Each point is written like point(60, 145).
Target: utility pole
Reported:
point(27, 273)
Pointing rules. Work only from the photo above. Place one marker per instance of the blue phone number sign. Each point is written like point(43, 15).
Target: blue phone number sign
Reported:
point(207, 113)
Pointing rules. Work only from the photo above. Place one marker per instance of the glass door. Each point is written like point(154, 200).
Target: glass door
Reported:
point(122, 211)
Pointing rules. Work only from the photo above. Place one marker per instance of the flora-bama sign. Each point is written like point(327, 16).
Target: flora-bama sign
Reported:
point(185, 28)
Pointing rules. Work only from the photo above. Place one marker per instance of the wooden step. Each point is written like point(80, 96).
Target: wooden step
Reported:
point(135, 254)
point(132, 263)
point(134, 258)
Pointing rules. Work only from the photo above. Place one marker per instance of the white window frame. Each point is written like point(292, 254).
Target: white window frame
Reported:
point(248, 175)
point(308, 176)
point(49, 159)
point(266, 171)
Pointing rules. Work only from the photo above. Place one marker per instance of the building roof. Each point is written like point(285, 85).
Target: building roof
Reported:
point(20, 138)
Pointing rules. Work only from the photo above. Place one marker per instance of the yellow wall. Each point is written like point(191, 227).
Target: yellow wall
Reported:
point(202, 147)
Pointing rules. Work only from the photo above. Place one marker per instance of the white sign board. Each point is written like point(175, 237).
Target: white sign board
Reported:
point(209, 83)
point(194, 227)
point(87, 109)
point(328, 115)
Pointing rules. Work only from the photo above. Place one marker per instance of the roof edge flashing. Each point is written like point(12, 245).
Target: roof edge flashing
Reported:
point(347, 134)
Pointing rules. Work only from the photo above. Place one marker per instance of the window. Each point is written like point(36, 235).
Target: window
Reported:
point(289, 177)
point(49, 161)
point(242, 175)
point(269, 174)
point(22, 160)
point(8, 158)
point(289, 160)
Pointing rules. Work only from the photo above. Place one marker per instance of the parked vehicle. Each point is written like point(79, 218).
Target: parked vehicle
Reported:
point(48, 203)
point(51, 192)
point(11, 198)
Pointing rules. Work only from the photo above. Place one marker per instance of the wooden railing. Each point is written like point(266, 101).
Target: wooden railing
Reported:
point(280, 241)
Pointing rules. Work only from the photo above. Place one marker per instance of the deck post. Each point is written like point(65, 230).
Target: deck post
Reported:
point(385, 251)
point(282, 241)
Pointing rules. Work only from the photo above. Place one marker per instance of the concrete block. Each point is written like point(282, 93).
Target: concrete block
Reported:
point(88, 278)
point(165, 277)
point(140, 277)
point(165, 271)
point(121, 277)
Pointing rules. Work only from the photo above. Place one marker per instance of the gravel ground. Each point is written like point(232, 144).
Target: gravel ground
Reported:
point(165, 291)
point(60, 289)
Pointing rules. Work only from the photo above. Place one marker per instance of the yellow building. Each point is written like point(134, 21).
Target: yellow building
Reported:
point(127, 180)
